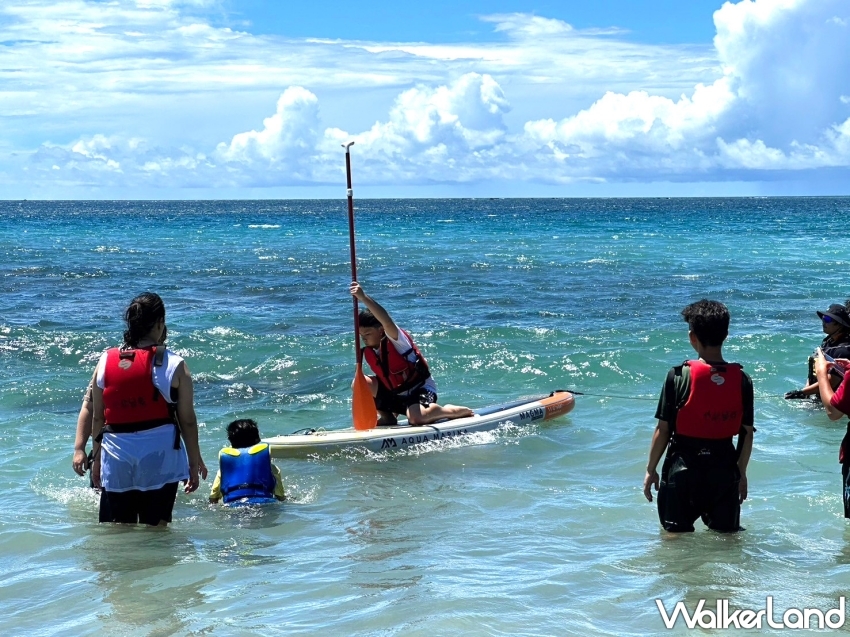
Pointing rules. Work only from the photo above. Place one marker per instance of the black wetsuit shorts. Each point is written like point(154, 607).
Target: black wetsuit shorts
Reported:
point(700, 482)
point(398, 403)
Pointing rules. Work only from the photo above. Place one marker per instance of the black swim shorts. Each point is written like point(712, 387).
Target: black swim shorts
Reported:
point(132, 507)
point(398, 404)
point(694, 487)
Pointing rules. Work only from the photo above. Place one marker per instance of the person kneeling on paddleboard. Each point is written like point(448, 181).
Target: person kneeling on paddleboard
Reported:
point(246, 474)
point(402, 383)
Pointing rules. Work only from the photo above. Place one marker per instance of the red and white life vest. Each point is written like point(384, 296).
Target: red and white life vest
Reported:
point(715, 406)
point(393, 369)
point(131, 400)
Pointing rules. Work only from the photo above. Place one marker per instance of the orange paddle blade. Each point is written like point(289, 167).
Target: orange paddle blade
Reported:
point(363, 405)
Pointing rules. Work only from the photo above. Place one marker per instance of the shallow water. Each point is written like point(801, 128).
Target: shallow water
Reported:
point(535, 531)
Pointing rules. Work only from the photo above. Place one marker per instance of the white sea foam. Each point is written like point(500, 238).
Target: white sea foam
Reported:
point(221, 330)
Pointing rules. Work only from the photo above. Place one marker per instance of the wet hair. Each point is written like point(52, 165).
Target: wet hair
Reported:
point(709, 321)
point(367, 319)
point(141, 316)
point(243, 433)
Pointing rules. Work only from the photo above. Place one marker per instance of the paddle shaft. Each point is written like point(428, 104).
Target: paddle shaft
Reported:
point(350, 194)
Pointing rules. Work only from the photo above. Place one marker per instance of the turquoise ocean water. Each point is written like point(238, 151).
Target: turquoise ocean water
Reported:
point(537, 531)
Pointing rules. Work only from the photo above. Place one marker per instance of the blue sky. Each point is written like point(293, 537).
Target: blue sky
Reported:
point(251, 99)
point(658, 21)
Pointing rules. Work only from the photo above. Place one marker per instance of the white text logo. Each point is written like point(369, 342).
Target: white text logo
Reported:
point(721, 617)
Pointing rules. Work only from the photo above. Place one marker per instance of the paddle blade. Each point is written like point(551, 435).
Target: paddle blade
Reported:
point(363, 405)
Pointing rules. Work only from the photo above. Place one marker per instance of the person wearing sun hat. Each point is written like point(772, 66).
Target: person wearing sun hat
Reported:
point(836, 325)
point(836, 313)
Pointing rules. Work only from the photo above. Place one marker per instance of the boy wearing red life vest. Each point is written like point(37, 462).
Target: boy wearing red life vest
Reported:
point(402, 383)
point(704, 404)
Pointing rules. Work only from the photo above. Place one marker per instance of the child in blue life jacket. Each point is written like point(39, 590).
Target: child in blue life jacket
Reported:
point(246, 473)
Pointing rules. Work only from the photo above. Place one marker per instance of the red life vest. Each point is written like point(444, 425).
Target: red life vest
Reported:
point(715, 406)
point(393, 369)
point(131, 401)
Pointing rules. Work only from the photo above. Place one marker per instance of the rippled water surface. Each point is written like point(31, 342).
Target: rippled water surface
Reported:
point(534, 531)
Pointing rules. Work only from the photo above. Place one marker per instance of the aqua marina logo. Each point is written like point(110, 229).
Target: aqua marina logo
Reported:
point(722, 617)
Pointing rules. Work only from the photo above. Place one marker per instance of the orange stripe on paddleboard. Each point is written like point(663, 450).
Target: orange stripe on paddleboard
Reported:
point(558, 405)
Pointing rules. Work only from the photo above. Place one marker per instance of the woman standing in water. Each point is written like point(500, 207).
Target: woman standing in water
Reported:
point(837, 405)
point(143, 404)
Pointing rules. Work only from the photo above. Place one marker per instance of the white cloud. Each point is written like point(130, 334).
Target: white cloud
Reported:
point(287, 141)
point(432, 133)
point(106, 52)
point(523, 26)
point(639, 119)
point(529, 26)
point(773, 96)
point(743, 153)
point(428, 131)
point(95, 150)
point(468, 112)
point(775, 107)
point(789, 61)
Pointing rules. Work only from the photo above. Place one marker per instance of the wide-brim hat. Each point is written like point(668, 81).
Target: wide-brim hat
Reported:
point(837, 313)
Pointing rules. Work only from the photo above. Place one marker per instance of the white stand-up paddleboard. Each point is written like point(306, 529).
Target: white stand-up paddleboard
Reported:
point(522, 412)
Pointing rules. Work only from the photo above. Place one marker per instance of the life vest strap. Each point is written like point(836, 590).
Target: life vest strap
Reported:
point(673, 405)
point(134, 427)
point(245, 485)
point(420, 370)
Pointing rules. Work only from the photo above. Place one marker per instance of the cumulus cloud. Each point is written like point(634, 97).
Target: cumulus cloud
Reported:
point(772, 96)
point(758, 115)
point(433, 132)
point(287, 141)
point(428, 131)
point(466, 114)
point(789, 59)
point(777, 105)
point(638, 120)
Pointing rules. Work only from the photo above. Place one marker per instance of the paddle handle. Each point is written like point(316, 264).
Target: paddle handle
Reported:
point(353, 250)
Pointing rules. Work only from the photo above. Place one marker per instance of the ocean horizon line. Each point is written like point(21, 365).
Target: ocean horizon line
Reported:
point(414, 198)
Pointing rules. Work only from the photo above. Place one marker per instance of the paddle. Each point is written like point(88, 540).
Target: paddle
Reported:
point(363, 409)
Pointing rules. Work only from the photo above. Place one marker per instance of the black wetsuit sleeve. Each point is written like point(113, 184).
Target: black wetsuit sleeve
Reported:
point(838, 351)
point(660, 411)
point(667, 400)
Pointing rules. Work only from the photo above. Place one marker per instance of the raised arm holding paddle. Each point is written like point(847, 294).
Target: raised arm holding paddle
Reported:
point(363, 410)
point(402, 383)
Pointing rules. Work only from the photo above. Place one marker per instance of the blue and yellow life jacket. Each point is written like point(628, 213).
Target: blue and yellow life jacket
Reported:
point(246, 473)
